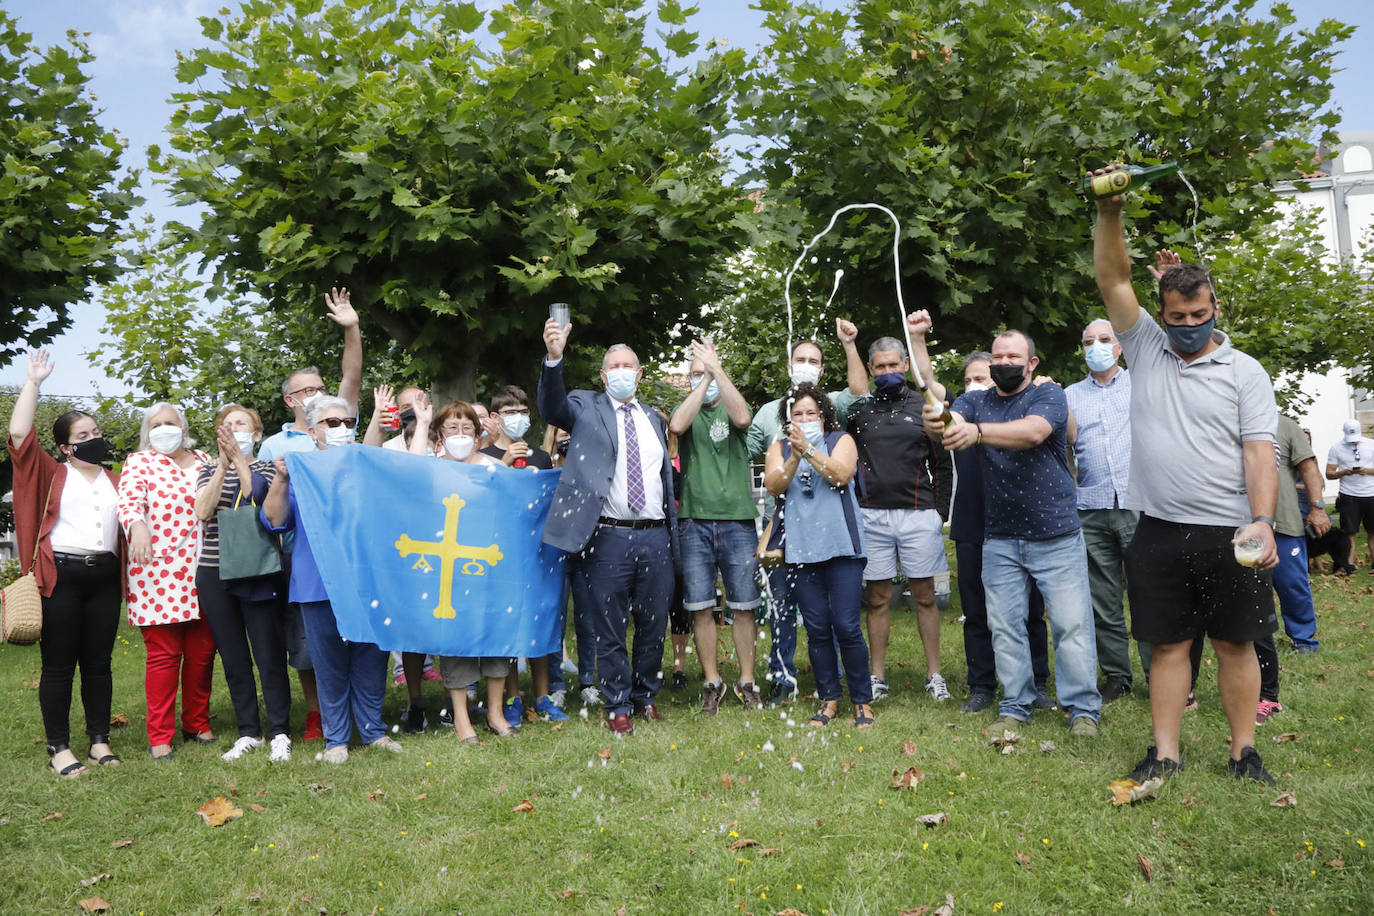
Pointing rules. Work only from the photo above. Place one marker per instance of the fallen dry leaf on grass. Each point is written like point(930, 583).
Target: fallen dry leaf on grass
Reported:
point(1126, 790)
point(908, 748)
point(218, 810)
point(770, 851)
point(376, 795)
point(931, 821)
point(906, 779)
point(1047, 746)
point(565, 895)
point(847, 766)
point(254, 897)
point(915, 911)
point(1285, 800)
point(947, 909)
point(94, 905)
point(525, 807)
point(620, 912)
point(726, 781)
point(1006, 739)
point(743, 843)
point(95, 879)
point(604, 753)
point(790, 911)
point(1189, 801)
point(119, 720)
point(120, 844)
point(1146, 869)
point(1024, 861)
point(319, 787)
point(256, 807)
point(421, 797)
point(1285, 737)
point(51, 816)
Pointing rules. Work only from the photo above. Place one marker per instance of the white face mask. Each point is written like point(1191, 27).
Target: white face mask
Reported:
point(166, 439)
point(621, 383)
point(813, 430)
point(517, 425)
point(305, 405)
point(805, 373)
point(459, 447)
point(338, 435)
point(1099, 356)
point(245, 442)
point(977, 386)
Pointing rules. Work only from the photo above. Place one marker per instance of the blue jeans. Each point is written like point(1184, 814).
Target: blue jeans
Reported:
point(555, 659)
point(711, 544)
point(622, 574)
point(782, 619)
point(830, 594)
point(1295, 591)
point(978, 654)
point(1059, 567)
point(350, 677)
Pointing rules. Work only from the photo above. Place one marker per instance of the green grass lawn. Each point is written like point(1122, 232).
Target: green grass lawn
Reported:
point(650, 828)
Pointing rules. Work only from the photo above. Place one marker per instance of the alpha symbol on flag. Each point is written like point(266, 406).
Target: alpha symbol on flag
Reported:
point(449, 552)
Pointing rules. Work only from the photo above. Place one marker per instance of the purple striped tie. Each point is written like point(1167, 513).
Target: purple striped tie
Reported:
point(634, 475)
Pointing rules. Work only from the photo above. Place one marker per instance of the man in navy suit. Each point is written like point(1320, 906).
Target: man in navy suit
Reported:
point(615, 514)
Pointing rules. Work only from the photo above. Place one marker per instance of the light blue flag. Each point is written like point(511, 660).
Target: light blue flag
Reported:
point(423, 555)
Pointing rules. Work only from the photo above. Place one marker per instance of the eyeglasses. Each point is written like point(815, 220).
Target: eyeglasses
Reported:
point(336, 422)
point(514, 411)
point(309, 391)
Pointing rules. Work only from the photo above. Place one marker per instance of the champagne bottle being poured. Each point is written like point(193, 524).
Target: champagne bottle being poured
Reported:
point(1124, 178)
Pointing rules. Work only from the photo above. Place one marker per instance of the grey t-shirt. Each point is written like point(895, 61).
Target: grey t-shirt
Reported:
point(1293, 449)
point(1188, 423)
point(1354, 455)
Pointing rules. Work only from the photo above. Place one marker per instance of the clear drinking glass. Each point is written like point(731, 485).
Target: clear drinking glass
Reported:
point(1247, 548)
point(561, 312)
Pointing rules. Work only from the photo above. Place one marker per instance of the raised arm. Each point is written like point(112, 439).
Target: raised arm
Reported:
point(918, 324)
point(26, 405)
point(552, 395)
point(382, 398)
point(1112, 264)
point(855, 370)
point(351, 368)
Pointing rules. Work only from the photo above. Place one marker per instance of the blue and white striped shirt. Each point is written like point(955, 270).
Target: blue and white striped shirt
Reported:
point(1103, 447)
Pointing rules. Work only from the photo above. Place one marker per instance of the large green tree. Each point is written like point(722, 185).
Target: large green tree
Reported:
point(460, 187)
point(973, 120)
point(61, 195)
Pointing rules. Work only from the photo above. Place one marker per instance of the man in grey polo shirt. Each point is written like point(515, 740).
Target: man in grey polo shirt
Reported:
point(1203, 421)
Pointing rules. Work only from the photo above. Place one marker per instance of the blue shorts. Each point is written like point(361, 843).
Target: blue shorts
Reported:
point(297, 650)
point(711, 544)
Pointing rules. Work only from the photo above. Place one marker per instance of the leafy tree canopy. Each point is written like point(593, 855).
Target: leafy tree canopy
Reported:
point(61, 201)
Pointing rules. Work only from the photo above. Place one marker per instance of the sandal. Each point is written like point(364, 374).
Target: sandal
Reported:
point(71, 770)
point(505, 732)
point(863, 715)
point(827, 712)
point(104, 760)
point(160, 757)
point(202, 738)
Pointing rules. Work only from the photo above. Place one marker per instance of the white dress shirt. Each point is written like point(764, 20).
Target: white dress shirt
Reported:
point(617, 503)
point(86, 520)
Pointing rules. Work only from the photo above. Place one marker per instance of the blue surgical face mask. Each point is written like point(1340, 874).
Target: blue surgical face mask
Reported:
point(1189, 339)
point(621, 383)
point(1099, 356)
point(516, 425)
point(813, 430)
point(889, 383)
point(712, 390)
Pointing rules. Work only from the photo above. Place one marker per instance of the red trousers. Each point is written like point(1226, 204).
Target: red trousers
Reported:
point(178, 653)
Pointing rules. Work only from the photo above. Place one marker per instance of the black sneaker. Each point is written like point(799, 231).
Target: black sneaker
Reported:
point(1152, 766)
point(415, 720)
point(1042, 698)
point(978, 700)
point(1114, 688)
point(446, 716)
point(781, 693)
point(678, 682)
point(1249, 766)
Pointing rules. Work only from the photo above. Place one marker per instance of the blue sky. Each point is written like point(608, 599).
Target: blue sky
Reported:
point(134, 42)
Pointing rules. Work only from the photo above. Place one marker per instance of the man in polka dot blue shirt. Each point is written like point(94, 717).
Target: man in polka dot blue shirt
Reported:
point(1032, 531)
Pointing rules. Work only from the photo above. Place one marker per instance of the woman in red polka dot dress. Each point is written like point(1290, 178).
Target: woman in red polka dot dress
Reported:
point(156, 507)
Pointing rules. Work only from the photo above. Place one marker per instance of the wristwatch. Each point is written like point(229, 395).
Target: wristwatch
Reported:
point(1262, 518)
point(1319, 504)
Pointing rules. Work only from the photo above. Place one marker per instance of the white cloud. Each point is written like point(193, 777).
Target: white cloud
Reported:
point(147, 33)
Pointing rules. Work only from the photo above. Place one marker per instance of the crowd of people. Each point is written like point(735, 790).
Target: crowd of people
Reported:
point(1173, 482)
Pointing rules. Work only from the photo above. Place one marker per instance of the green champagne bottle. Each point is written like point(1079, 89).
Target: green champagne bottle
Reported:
point(1124, 178)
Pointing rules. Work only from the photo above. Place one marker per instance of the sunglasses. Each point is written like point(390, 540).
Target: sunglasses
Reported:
point(336, 422)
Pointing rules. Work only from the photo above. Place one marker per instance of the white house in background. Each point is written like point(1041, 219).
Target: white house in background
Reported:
point(1342, 193)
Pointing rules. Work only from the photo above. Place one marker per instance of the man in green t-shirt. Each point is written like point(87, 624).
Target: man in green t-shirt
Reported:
point(716, 520)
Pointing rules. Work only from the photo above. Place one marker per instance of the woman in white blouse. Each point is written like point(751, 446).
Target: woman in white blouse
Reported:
point(67, 510)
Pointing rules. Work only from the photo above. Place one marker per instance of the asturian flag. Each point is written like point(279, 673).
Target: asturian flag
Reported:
point(423, 555)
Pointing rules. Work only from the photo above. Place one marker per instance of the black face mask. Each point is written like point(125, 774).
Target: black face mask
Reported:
point(562, 447)
point(92, 451)
point(407, 416)
point(1007, 377)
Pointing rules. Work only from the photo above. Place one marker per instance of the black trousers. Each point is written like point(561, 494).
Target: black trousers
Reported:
point(978, 654)
point(238, 624)
point(80, 621)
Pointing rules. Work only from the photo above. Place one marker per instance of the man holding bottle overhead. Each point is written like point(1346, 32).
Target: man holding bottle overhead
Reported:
point(1203, 421)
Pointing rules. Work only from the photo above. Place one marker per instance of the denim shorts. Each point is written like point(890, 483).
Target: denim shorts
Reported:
point(727, 545)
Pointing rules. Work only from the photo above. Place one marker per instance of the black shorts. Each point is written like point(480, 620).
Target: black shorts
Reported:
point(1184, 581)
point(1356, 511)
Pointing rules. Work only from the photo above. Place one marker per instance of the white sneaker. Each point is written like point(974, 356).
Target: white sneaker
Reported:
point(281, 749)
point(935, 686)
point(591, 696)
point(338, 754)
point(241, 747)
point(879, 684)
